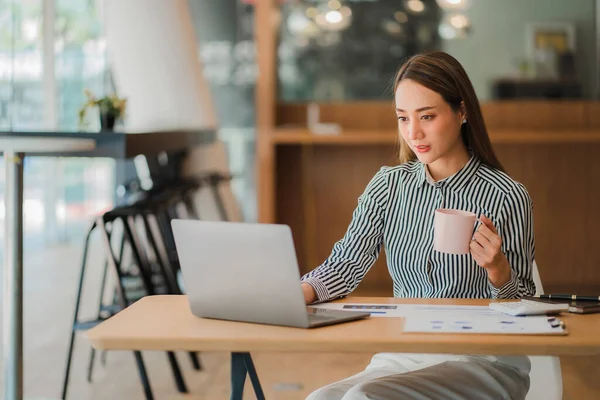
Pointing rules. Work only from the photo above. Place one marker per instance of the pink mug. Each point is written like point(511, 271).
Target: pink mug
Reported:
point(453, 230)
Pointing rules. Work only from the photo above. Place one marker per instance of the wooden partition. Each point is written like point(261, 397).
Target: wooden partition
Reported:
point(553, 148)
point(312, 182)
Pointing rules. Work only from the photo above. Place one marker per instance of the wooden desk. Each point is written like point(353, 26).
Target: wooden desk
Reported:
point(166, 323)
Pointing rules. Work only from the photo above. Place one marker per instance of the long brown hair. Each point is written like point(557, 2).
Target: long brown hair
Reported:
point(443, 74)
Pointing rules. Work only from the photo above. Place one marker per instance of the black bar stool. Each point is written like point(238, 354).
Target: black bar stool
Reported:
point(105, 225)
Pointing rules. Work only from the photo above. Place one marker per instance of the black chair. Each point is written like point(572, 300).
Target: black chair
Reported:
point(162, 203)
point(142, 270)
point(167, 199)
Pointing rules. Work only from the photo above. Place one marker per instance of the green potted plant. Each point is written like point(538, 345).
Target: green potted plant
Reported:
point(111, 109)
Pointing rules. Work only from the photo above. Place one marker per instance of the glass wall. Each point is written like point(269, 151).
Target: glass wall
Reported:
point(45, 93)
point(345, 50)
point(21, 69)
point(225, 33)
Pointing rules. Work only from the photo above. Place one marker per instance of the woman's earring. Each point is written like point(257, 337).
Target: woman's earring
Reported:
point(464, 121)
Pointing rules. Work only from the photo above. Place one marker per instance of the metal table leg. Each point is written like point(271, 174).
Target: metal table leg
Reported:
point(13, 277)
point(241, 363)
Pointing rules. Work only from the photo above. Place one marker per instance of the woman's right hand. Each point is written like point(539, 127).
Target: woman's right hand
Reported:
point(309, 293)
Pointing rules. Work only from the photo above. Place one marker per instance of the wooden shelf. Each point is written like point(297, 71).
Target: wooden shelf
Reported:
point(303, 136)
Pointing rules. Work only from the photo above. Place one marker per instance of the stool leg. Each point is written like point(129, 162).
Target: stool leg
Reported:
point(167, 273)
point(145, 272)
point(143, 375)
point(102, 288)
point(171, 280)
point(114, 265)
point(215, 181)
point(189, 206)
point(138, 254)
point(76, 314)
point(177, 375)
point(195, 361)
point(166, 233)
point(93, 351)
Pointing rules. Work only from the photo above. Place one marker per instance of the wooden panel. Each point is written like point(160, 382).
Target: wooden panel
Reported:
point(265, 35)
point(341, 175)
point(561, 179)
point(543, 115)
point(289, 203)
point(563, 182)
point(497, 136)
point(546, 115)
point(580, 379)
point(593, 115)
point(353, 116)
point(337, 180)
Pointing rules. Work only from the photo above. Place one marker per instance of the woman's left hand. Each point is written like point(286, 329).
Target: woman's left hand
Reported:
point(486, 249)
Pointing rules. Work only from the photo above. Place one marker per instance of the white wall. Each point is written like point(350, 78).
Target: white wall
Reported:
point(498, 38)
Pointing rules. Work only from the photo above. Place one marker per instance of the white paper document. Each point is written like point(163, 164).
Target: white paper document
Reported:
point(404, 310)
point(501, 324)
point(428, 318)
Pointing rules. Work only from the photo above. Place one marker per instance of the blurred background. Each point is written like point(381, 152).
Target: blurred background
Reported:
point(301, 90)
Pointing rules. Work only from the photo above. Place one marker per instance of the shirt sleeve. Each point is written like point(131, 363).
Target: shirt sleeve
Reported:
point(518, 245)
point(353, 255)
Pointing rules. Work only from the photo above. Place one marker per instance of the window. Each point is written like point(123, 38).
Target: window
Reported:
point(39, 92)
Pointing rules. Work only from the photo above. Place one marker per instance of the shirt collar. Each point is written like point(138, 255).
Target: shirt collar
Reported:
point(454, 182)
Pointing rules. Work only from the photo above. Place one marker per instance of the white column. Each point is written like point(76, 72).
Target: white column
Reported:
point(153, 53)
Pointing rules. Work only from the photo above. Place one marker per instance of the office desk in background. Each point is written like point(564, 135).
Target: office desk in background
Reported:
point(15, 146)
point(166, 323)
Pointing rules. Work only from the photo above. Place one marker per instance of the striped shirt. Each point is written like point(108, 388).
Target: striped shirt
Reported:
point(397, 211)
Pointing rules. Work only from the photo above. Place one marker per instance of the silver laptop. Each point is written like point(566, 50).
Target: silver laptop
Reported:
point(246, 272)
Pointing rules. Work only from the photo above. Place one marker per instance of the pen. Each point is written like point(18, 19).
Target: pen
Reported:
point(567, 297)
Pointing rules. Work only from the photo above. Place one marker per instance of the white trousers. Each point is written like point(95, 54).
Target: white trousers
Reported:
point(397, 376)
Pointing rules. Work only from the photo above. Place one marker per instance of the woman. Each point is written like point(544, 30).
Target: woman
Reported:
point(446, 161)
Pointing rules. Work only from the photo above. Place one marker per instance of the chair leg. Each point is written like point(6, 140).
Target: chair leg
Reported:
point(145, 272)
point(195, 361)
point(114, 266)
point(76, 313)
point(164, 224)
point(104, 353)
point(189, 206)
point(163, 220)
point(168, 276)
point(179, 382)
point(91, 365)
point(143, 375)
point(215, 181)
point(138, 254)
point(102, 287)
